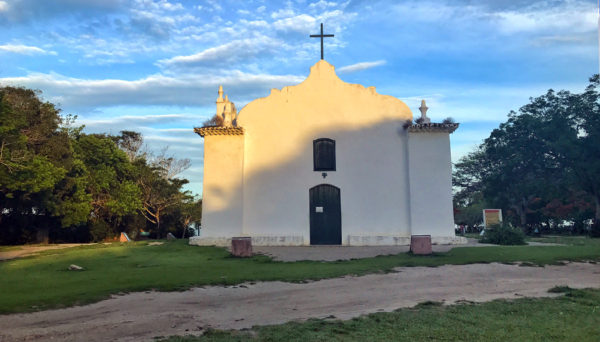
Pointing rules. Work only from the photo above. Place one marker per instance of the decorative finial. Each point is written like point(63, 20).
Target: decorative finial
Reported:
point(220, 93)
point(423, 109)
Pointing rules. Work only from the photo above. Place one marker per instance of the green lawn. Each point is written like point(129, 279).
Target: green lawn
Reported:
point(572, 317)
point(10, 248)
point(43, 281)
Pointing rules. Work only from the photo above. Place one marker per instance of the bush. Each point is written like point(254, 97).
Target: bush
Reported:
point(448, 120)
point(504, 235)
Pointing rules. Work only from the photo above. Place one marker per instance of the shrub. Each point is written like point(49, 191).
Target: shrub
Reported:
point(215, 121)
point(504, 235)
point(448, 120)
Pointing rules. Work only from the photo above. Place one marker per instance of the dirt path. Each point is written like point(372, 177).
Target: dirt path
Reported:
point(30, 250)
point(141, 316)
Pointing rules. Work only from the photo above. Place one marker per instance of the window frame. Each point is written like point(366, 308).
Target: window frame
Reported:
point(315, 161)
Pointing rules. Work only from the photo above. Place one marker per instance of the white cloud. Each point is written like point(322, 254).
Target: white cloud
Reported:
point(283, 13)
point(360, 66)
point(227, 53)
point(3, 6)
point(301, 23)
point(134, 120)
point(572, 16)
point(25, 50)
point(322, 4)
point(184, 90)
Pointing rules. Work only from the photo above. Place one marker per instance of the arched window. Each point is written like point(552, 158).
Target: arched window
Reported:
point(324, 154)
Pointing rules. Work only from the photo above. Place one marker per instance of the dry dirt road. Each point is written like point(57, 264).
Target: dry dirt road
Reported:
point(141, 316)
point(26, 250)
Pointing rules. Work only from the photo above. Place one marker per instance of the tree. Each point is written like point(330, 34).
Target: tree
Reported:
point(55, 178)
point(545, 154)
point(111, 182)
point(35, 160)
point(190, 210)
point(131, 143)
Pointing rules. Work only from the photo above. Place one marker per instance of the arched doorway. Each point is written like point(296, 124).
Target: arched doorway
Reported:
point(325, 215)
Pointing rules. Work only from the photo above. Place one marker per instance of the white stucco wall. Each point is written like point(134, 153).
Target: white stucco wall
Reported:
point(222, 205)
point(372, 168)
point(430, 177)
point(370, 157)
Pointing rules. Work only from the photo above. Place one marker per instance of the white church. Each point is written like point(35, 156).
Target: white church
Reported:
point(325, 162)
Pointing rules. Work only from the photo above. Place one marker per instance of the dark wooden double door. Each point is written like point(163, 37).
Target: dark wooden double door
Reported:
point(325, 215)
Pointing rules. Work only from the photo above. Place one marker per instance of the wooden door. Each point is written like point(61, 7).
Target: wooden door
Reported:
point(325, 215)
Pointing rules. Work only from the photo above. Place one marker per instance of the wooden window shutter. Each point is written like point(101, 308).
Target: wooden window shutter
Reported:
point(324, 154)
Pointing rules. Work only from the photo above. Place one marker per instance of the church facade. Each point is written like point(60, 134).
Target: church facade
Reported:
point(325, 163)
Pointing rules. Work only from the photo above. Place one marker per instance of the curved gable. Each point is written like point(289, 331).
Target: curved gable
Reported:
point(321, 100)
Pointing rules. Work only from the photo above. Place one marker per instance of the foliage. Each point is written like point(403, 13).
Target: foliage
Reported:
point(469, 213)
point(77, 187)
point(566, 318)
point(448, 120)
point(215, 121)
point(503, 234)
point(44, 282)
point(541, 165)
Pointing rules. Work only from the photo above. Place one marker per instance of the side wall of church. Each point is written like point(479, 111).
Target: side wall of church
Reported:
point(430, 178)
point(222, 206)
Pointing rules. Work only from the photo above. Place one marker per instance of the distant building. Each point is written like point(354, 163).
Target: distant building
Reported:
point(325, 162)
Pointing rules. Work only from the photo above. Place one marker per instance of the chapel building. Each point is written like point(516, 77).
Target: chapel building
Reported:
point(325, 162)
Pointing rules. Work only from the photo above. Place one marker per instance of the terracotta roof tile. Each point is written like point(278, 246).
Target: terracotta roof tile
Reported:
point(214, 130)
point(433, 127)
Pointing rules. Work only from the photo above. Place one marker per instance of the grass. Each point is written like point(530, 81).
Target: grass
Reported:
point(472, 235)
point(572, 317)
point(10, 248)
point(568, 240)
point(42, 282)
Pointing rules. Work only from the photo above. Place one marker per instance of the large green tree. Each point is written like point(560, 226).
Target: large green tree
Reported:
point(35, 160)
point(54, 177)
point(540, 160)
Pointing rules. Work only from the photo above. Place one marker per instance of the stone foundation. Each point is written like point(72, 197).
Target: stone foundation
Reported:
point(351, 240)
point(256, 241)
point(377, 240)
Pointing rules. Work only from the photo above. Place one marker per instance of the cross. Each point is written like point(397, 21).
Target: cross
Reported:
point(321, 36)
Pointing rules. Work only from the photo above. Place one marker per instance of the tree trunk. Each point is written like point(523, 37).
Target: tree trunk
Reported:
point(158, 232)
point(523, 213)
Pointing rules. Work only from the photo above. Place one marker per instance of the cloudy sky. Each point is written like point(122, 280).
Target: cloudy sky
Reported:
point(154, 65)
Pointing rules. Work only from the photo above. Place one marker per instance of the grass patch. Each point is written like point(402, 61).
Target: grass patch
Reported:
point(42, 281)
point(471, 235)
point(568, 240)
point(10, 248)
point(573, 317)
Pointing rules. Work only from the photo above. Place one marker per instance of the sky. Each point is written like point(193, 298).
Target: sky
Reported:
point(154, 66)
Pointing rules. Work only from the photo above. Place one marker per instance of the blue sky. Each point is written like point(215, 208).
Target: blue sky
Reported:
point(154, 66)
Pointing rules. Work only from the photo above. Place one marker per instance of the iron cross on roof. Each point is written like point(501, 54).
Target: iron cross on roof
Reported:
point(321, 36)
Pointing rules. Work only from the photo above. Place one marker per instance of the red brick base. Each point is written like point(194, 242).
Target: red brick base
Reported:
point(241, 247)
point(420, 244)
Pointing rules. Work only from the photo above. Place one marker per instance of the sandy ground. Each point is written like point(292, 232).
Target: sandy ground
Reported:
point(141, 316)
point(30, 250)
